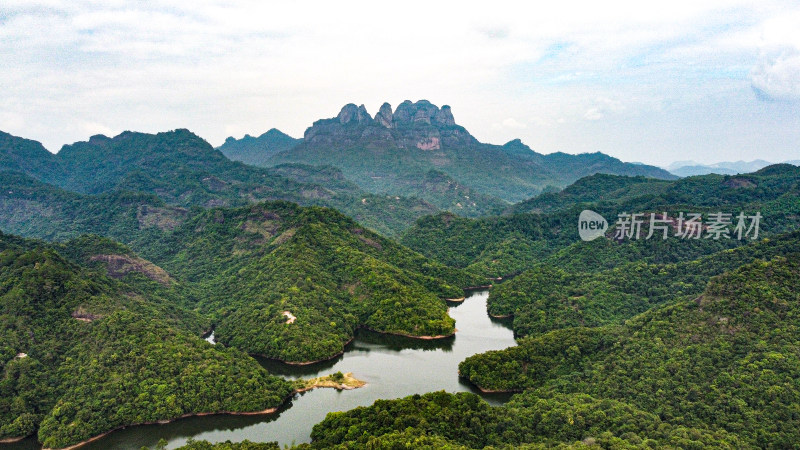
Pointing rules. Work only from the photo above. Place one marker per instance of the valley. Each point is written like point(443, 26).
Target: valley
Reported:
point(156, 293)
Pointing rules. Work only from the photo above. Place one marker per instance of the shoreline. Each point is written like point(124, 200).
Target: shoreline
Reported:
point(502, 316)
point(389, 333)
point(497, 391)
point(411, 336)
point(167, 421)
point(272, 410)
point(11, 440)
point(348, 383)
point(306, 363)
point(490, 391)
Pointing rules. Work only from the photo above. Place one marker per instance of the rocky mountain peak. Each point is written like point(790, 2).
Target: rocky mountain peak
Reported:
point(445, 116)
point(384, 116)
point(422, 111)
point(352, 113)
point(420, 125)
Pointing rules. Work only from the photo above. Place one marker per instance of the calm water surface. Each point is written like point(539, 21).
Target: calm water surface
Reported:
point(392, 367)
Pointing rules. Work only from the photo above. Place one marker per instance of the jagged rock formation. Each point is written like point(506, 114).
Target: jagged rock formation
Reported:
point(390, 152)
point(421, 125)
point(351, 113)
point(384, 116)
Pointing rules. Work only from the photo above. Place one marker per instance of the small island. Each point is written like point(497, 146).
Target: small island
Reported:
point(336, 380)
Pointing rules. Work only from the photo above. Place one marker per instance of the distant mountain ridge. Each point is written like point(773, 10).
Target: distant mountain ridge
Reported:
point(692, 168)
point(257, 150)
point(184, 170)
point(543, 227)
point(388, 152)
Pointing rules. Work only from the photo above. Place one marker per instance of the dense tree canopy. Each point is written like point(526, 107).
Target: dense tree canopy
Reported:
point(621, 343)
point(82, 353)
point(544, 229)
point(726, 360)
point(260, 265)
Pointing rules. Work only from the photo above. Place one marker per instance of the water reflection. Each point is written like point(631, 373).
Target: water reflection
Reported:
point(392, 366)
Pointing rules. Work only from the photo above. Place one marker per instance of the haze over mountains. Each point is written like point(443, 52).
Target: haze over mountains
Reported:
point(692, 168)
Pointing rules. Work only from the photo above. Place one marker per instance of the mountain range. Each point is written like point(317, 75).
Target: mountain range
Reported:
point(126, 250)
point(183, 170)
point(385, 171)
point(543, 228)
point(389, 152)
point(692, 168)
point(256, 151)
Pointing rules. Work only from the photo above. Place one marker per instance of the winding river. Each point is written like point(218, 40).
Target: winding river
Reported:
point(392, 366)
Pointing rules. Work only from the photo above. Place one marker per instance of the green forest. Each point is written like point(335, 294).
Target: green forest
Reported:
point(254, 264)
point(724, 360)
point(117, 255)
point(82, 353)
point(530, 234)
point(714, 371)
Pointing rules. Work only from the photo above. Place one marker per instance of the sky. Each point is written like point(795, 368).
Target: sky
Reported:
point(653, 82)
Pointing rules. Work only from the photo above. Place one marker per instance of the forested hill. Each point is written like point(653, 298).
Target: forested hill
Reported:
point(257, 150)
point(550, 297)
point(499, 246)
point(441, 420)
point(256, 262)
point(725, 360)
point(93, 338)
point(184, 170)
point(387, 153)
point(26, 156)
point(294, 283)
point(710, 190)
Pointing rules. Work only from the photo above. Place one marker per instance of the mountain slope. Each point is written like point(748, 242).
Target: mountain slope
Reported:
point(26, 156)
point(546, 226)
point(249, 261)
point(464, 421)
point(184, 170)
point(82, 353)
point(294, 283)
point(547, 297)
point(726, 360)
point(382, 154)
point(257, 150)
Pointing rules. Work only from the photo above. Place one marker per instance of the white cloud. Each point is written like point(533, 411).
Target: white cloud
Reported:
point(603, 106)
point(778, 78)
point(221, 68)
point(593, 114)
point(93, 128)
point(511, 123)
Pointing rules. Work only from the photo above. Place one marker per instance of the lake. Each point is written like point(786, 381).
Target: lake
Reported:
point(392, 366)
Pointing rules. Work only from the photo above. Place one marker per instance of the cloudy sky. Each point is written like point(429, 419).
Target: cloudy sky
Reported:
point(677, 80)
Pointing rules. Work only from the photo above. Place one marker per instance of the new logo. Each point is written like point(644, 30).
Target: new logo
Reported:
point(591, 225)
